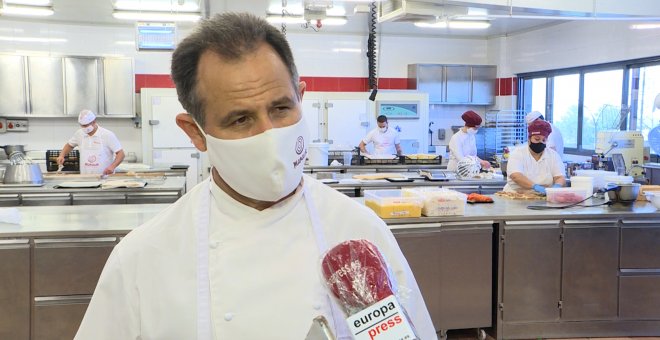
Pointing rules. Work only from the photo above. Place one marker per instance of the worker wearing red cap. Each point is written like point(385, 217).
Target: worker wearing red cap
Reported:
point(463, 143)
point(535, 167)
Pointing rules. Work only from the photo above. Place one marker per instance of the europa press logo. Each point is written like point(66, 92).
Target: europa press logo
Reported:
point(300, 145)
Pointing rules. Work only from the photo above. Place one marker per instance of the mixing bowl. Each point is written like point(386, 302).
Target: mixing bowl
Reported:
point(624, 192)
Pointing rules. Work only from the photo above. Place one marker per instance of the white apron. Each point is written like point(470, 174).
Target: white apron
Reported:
point(93, 159)
point(204, 331)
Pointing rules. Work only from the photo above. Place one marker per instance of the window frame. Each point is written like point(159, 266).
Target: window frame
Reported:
point(627, 66)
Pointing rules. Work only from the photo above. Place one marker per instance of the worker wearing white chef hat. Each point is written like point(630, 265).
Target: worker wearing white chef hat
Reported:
point(536, 166)
point(555, 140)
point(100, 150)
point(238, 257)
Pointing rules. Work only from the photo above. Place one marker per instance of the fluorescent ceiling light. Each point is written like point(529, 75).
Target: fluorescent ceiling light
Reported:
point(26, 10)
point(334, 21)
point(645, 26)
point(29, 2)
point(30, 39)
point(163, 6)
point(348, 50)
point(287, 19)
point(156, 16)
point(125, 42)
point(436, 24)
point(469, 24)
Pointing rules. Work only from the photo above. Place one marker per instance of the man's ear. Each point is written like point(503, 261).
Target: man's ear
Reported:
point(301, 89)
point(187, 124)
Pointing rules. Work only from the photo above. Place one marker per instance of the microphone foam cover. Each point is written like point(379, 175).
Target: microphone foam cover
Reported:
point(357, 274)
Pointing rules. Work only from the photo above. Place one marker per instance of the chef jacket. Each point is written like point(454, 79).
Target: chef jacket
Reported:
point(539, 172)
point(264, 270)
point(384, 142)
point(97, 151)
point(556, 141)
point(461, 145)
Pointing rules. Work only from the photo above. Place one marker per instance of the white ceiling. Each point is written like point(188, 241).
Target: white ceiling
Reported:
point(100, 12)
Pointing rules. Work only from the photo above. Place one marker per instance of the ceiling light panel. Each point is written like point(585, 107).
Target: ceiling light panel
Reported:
point(157, 5)
point(29, 2)
point(22, 10)
point(156, 16)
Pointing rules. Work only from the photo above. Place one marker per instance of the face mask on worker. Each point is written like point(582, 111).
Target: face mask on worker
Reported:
point(383, 129)
point(265, 167)
point(537, 147)
point(472, 131)
point(88, 129)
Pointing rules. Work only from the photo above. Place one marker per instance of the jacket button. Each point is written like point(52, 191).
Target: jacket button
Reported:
point(229, 316)
point(214, 244)
point(317, 306)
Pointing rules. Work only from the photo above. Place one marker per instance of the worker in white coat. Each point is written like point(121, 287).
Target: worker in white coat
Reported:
point(100, 150)
point(555, 140)
point(535, 167)
point(386, 141)
point(463, 143)
point(238, 257)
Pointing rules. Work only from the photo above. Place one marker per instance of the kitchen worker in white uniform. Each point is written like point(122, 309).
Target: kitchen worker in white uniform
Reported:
point(463, 143)
point(100, 150)
point(555, 140)
point(238, 257)
point(535, 167)
point(386, 140)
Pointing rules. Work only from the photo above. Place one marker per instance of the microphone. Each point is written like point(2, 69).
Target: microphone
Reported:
point(358, 277)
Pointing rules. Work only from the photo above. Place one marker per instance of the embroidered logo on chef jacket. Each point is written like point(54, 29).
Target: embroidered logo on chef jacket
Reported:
point(92, 161)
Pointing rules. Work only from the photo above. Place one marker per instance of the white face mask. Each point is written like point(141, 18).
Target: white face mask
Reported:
point(88, 129)
point(382, 129)
point(472, 131)
point(265, 167)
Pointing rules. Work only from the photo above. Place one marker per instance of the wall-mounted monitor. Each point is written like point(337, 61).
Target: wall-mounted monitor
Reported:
point(155, 36)
point(398, 109)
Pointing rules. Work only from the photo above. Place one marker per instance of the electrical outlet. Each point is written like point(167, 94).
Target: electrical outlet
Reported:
point(17, 125)
point(3, 125)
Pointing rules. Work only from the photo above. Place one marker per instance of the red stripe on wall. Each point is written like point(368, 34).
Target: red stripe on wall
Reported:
point(503, 86)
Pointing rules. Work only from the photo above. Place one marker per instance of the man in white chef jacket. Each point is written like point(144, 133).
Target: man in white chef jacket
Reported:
point(555, 140)
point(238, 257)
point(385, 140)
point(100, 150)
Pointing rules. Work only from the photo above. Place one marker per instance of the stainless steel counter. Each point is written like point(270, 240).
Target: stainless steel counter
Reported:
point(157, 190)
point(374, 168)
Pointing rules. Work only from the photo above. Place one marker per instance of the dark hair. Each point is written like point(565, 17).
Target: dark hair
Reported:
point(231, 36)
point(382, 119)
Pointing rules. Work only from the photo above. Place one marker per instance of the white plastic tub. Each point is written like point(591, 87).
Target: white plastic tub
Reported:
point(565, 195)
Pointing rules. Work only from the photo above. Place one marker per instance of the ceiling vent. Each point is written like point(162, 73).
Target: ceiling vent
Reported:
point(413, 11)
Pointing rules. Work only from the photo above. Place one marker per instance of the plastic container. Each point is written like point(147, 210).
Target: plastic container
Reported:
point(439, 201)
point(598, 175)
point(619, 179)
point(317, 154)
point(392, 203)
point(583, 182)
point(565, 195)
point(654, 198)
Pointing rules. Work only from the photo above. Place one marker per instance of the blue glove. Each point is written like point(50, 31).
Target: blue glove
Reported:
point(557, 185)
point(539, 188)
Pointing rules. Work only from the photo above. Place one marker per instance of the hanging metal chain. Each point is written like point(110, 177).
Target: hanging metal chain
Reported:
point(283, 15)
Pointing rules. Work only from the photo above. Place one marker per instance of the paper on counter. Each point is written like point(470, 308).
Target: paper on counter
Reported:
point(10, 215)
point(122, 183)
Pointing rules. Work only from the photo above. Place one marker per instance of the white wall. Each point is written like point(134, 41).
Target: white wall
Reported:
point(572, 44)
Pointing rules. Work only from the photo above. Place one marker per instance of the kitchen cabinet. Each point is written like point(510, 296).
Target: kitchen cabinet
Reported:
point(81, 81)
point(455, 84)
point(118, 87)
point(590, 265)
point(66, 271)
point(12, 86)
point(452, 264)
point(15, 289)
point(46, 86)
point(531, 262)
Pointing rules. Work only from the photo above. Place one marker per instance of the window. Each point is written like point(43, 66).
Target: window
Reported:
point(584, 100)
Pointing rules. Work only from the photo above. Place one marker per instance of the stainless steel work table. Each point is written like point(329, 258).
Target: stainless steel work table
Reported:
point(157, 190)
point(374, 168)
point(579, 272)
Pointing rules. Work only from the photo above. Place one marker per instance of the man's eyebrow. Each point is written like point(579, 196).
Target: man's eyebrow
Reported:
point(284, 100)
point(229, 117)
